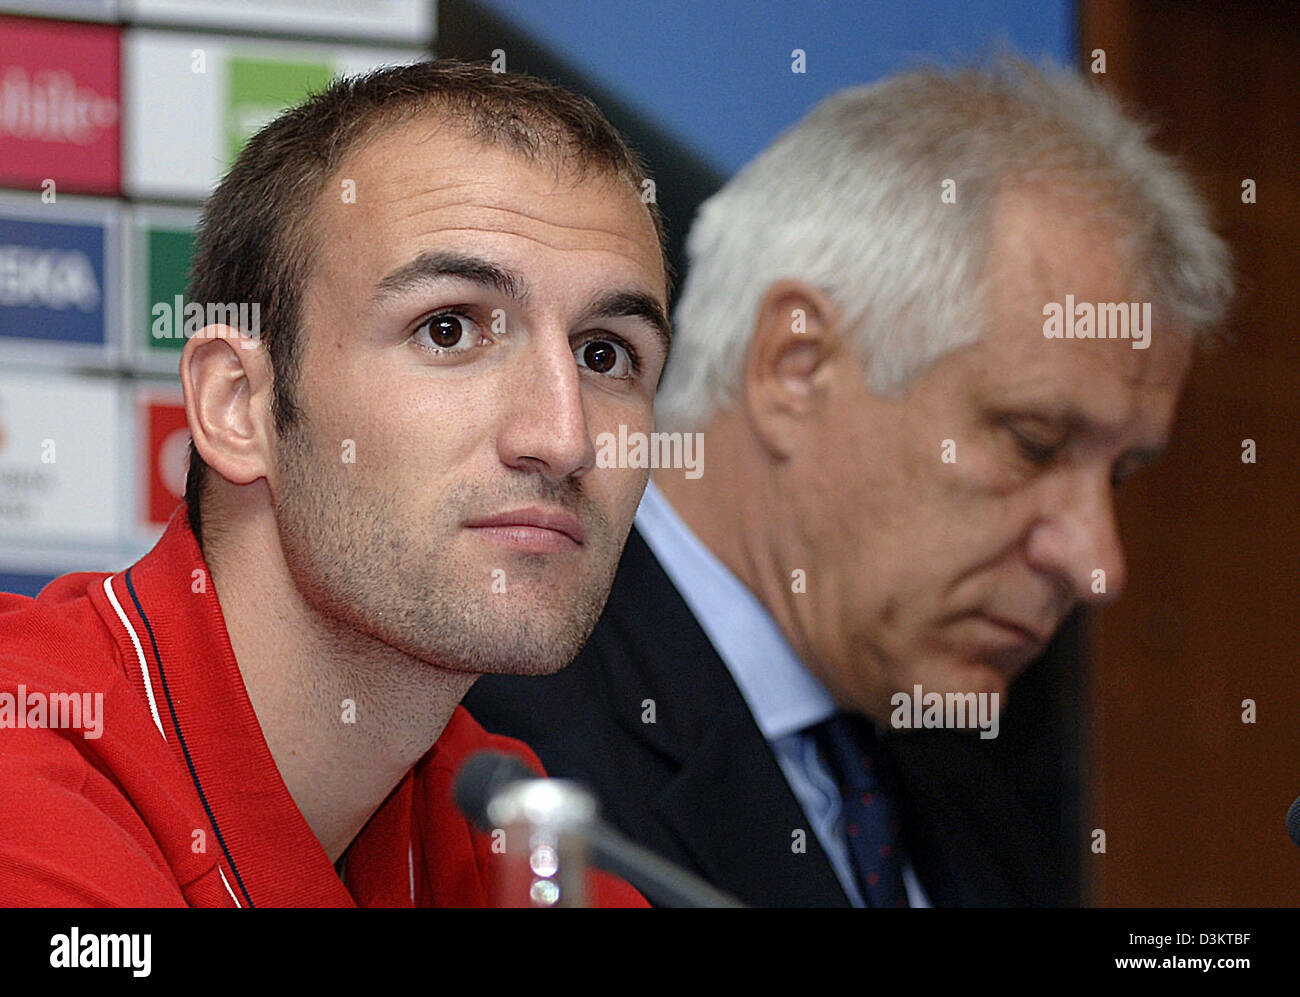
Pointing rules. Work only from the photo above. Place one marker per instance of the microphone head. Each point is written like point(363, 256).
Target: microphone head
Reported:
point(481, 777)
point(1293, 821)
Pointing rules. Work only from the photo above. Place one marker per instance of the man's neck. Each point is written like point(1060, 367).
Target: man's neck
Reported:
point(730, 509)
point(731, 515)
point(344, 715)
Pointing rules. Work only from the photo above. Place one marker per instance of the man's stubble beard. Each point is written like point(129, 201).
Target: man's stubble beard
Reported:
point(362, 569)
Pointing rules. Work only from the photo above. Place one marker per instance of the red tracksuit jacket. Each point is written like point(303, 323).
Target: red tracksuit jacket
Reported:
point(178, 801)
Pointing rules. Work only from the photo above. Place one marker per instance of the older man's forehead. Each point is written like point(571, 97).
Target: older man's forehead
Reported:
point(1064, 292)
point(1019, 353)
point(1108, 394)
point(1045, 246)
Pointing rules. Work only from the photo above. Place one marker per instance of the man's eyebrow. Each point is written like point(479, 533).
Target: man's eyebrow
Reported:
point(631, 304)
point(1075, 421)
point(433, 266)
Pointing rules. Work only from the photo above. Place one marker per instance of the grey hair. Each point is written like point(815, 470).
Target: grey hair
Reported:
point(848, 199)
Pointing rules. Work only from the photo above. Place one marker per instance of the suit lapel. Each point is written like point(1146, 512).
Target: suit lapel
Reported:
point(963, 823)
point(729, 804)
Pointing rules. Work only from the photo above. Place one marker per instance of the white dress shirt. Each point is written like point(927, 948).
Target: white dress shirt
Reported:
point(783, 696)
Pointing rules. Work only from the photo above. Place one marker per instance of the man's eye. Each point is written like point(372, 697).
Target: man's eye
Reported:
point(447, 332)
point(607, 356)
point(1035, 451)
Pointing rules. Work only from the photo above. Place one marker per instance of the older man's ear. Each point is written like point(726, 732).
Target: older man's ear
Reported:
point(797, 336)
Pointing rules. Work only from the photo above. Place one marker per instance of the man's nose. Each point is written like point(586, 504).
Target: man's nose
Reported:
point(546, 423)
point(1078, 541)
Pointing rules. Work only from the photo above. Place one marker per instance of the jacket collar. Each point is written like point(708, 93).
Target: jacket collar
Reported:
point(964, 826)
point(728, 786)
point(783, 696)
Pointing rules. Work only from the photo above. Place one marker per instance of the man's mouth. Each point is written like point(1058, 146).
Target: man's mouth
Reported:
point(1027, 633)
point(534, 528)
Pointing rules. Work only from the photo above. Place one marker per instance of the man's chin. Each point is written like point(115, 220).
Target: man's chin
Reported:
point(500, 658)
point(950, 693)
point(533, 643)
point(964, 674)
point(522, 667)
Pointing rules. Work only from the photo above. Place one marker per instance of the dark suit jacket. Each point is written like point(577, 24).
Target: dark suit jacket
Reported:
point(700, 785)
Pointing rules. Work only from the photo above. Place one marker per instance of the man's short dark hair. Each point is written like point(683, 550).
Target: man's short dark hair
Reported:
point(255, 241)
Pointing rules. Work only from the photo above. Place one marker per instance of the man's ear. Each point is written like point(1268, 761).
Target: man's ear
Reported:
point(227, 379)
point(796, 336)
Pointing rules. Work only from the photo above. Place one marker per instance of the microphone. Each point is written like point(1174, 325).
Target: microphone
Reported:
point(489, 776)
point(482, 777)
point(1293, 821)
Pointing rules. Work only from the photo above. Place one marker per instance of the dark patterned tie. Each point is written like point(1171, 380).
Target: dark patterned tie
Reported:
point(871, 827)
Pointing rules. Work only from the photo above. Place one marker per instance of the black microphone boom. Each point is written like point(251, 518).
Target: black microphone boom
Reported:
point(664, 884)
point(1293, 821)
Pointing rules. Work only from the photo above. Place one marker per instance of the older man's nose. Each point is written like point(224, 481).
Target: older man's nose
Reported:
point(1078, 542)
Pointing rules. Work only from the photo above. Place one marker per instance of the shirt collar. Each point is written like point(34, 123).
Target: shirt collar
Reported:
point(782, 694)
point(169, 625)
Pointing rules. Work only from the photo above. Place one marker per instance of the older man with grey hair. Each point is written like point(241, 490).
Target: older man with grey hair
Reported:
point(924, 335)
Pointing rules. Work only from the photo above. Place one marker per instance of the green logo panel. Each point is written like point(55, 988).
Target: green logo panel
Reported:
point(259, 89)
point(169, 252)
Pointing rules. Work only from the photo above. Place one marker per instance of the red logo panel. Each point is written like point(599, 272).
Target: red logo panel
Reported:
point(169, 443)
point(60, 106)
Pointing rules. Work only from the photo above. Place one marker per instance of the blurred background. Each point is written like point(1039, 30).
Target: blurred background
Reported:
point(1168, 721)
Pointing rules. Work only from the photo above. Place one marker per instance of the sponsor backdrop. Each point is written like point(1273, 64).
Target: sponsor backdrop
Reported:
point(116, 120)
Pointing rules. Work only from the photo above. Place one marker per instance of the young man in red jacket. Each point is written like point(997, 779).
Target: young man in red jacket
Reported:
point(392, 490)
